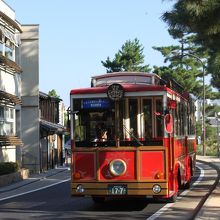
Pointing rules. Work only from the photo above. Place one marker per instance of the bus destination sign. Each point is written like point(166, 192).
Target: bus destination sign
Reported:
point(95, 103)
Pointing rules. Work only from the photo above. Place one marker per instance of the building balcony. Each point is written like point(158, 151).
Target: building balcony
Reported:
point(14, 67)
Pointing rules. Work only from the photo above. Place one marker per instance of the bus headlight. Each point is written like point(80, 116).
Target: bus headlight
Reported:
point(117, 167)
point(156, 189)
point(80, 189)
point(77, 175)
point(159, 175)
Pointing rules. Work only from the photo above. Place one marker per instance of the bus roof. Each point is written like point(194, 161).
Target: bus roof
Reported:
point(131, 82)
point(126, 87)
point(125, 77)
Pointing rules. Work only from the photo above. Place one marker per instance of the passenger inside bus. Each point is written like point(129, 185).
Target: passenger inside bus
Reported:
point(101, 132)
point(148, 132)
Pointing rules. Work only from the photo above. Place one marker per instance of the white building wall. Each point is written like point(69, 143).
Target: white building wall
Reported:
point(10, 82)
point(5, 8)
point(8, 153)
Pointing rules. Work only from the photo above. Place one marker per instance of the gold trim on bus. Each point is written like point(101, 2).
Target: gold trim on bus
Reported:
point(127, 148)
point(144, 189)
point(131, 192)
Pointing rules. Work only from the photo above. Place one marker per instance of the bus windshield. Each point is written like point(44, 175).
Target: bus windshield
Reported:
point(94, 122)
point(101, 122)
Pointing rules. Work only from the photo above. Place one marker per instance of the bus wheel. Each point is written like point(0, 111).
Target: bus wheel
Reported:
point(98, 199)
point(173, 198)
point(187, 185)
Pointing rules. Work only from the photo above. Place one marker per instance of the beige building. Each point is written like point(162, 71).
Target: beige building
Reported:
point(10, 86)
point(25, 133)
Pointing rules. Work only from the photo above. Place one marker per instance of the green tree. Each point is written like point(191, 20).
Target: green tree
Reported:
point(186, 70)
point(53, 93)
point(201, 17)
point(129, 58)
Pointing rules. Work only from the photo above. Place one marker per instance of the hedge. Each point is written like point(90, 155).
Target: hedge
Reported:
point(8, 167)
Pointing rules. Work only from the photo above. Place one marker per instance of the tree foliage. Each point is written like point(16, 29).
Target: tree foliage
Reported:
point(202, 18)
point(129, 58)
point(182, 67)
point(53, 93)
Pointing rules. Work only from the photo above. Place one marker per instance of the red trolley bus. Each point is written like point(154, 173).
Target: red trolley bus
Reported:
point(132, 134)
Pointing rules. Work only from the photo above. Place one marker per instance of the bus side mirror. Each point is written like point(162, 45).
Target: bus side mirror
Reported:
point(167, 118)
point(169, 123)
point(172, 104)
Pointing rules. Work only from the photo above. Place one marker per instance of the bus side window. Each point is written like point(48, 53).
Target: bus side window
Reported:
point(147, 108)
point(159, 120)
point(133, 108)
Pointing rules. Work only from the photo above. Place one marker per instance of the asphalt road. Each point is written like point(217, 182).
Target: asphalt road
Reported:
point(55, 202)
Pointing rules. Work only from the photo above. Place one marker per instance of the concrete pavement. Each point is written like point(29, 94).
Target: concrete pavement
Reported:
point(211, 208)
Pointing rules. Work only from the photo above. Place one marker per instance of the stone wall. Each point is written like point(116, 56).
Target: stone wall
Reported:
point(8, 179)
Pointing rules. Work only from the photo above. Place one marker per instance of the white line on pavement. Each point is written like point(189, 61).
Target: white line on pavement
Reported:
point(35, 190)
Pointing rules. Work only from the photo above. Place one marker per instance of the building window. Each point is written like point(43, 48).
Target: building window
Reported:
point(1, 112)
point(9, 49)
point(1, 43)
point(7, 121)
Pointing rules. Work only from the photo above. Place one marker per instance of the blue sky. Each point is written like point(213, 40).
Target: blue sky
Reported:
point(75, 35)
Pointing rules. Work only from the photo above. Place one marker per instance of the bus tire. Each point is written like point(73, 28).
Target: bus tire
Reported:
point(173, 198)
point(98, 199)
point(187, 185)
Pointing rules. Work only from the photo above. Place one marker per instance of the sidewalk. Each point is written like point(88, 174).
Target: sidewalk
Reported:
point(211, 207)
point(33, 178)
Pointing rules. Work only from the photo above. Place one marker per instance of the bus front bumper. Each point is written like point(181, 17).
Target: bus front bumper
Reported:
point(119, 189)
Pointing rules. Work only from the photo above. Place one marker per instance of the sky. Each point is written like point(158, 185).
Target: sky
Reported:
point(76, 35)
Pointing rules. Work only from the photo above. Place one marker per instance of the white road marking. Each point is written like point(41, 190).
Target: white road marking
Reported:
point(35, 190)
point(167, 206)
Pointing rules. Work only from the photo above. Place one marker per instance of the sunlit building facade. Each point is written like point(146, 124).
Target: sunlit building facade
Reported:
point(10, 86)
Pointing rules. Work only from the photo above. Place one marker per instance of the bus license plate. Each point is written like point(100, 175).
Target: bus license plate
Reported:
point(117, 189)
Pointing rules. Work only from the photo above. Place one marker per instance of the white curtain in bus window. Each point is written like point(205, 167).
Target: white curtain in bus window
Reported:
point(147, 108)
point(159, 119)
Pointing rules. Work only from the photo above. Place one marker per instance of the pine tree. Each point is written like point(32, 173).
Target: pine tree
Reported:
point(129, 58)
point(201, 17)
point(184, 69)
